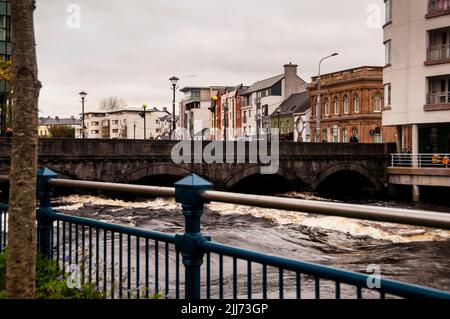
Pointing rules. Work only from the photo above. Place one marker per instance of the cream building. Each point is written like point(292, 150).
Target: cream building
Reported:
point(126, 124)
point(417, 74)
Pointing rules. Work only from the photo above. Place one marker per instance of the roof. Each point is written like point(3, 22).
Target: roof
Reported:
point(59, 121)
point(264, 84)
point(296, 103)
point(128, 109)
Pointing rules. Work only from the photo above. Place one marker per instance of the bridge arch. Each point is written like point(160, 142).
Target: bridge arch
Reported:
point(356, 169)
point(156, 169)
point(285, 175)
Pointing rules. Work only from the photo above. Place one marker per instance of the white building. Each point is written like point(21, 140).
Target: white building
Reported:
point(417, 74)
point(126, 124)
point(262, 98)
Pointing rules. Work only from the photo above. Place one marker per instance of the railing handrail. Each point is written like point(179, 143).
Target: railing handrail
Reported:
point(339, 275)
point(365, 212)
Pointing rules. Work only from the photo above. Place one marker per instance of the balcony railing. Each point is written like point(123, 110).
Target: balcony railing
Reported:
point(438, 98)
point(420, 160)
point(438, 52)
point(436, 7)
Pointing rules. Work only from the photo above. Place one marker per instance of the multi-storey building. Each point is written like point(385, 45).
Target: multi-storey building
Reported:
point(292, 118)
point(195, 113)
point(351, 103)
point(227, 118)
point(417, 74)
point(262, 98)
point(126, 124)
point(46, 123)
point(5, 54)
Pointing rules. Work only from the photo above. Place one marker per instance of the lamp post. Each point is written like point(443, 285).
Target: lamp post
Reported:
point(83, 98)
point(145, 121)
point(134, 130)
point(278, 114)
point(174, 80)
point(225, 122)
point(319, 113)
point(213, 111)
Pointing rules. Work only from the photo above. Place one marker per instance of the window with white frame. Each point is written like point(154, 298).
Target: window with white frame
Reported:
point(387, 95)
point(336, 105)
point(377, 103)
point(344, 135)
point(388, 49)
point(327, 106)
point(346, 108)
point(356, 104)
point(335, 134)
point(378, 138)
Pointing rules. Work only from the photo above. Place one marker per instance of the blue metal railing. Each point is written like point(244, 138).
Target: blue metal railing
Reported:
point(129, 262)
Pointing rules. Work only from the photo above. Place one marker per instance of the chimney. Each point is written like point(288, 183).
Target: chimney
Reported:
point(57, 118)
point(165, 109)
point(292, 82)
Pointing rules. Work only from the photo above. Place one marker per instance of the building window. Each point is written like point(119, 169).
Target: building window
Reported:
point(346, 104)
point(378, 138)
point(377, 106)
point(115, 131)
point(356, 104)
point(388, 4)
point(327, 107)
point(3, 28)
point(325, 135)
point(335, 134)
point(387, 95)
point(115, 122)
point(387, 46)
point(95, 123)
point(336, 106)
point(344, 135)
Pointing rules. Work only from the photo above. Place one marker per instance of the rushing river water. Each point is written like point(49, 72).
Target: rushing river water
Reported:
point(413, 254)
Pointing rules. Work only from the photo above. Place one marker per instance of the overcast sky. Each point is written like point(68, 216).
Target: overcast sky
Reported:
point(131, 48)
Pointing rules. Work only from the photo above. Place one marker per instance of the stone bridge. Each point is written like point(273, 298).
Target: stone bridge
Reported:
point(302, 166)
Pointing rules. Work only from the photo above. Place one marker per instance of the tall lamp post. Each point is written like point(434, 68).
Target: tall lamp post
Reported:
point(225, 122)
point(145, 120)
point(278, 114)
point(83, 127)
point(319, 112)
point(213, 111)
point(174, 80)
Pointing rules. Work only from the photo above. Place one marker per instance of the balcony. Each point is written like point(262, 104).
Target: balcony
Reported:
point(438, 8)
point(438, 54)
point(438, 101)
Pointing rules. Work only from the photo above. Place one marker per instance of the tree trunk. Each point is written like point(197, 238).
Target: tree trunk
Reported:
point(21, 265)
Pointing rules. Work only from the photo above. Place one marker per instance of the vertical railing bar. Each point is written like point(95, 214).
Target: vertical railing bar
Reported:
point(76, 244)
point(264, 282)
point(317, 284)
point(299, 285)
point(234, 278)
point(221, 276)
point(177, 275)
point(338, 290)
point(156, 267)
point(70, 243)
point(249, 279)
point(281, 283)
point(147, 271)
point(167, 269)
point(105, 261)
point(51, 239)
point(120, 265)
point(57, 242)
point(90, 255)
point(83, 254)
point(129, 267)
point(1, 230)
point(208, 275)
point(138, 266)
point(112, 264)
point(97, 258)
point(359, 292)
point(64, 247)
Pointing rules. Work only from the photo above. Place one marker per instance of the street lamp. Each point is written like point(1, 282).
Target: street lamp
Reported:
point(174, 80)
point(213, 111)
point(225, 122)
point(83, 98)
point(318, 98)
point(145, 122)
point(135, 130)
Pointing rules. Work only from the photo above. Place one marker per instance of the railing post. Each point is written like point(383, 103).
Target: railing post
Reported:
point(187, 192)
point(45, 211)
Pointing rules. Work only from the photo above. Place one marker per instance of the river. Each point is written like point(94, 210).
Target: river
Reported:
point(412, 254)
